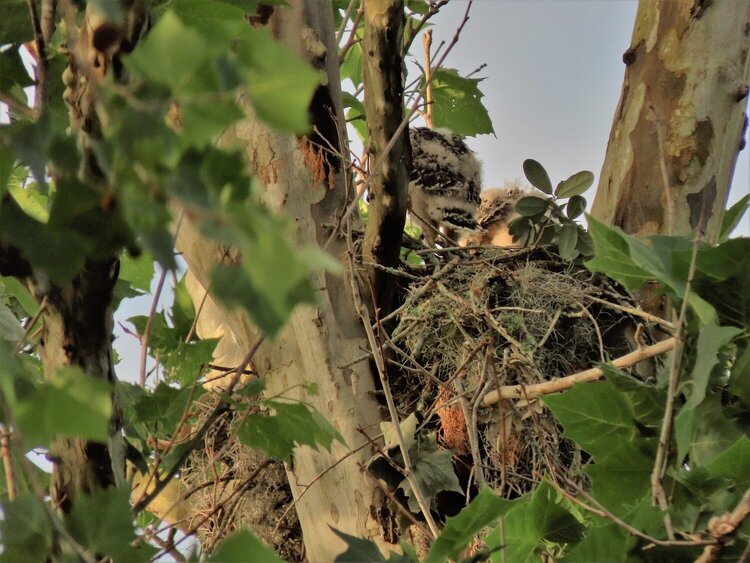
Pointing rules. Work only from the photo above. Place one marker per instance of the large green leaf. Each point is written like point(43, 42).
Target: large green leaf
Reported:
point(733, 216)
point(535, 518)
point(243, 547)
point(280, 85)
point(163, 408)
point(457, 104)
point(608, 542)
point(47, 412)
point(711, 340)
point(15, 25)
point(358, 549)
point(25, 531)
point(633, 263)
point(292, 425)
point(171, 54)
point(102, 522)
point(461, 530)
point(12, 70)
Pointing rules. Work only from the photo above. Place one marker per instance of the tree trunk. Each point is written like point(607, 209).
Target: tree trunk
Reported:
point(322, 344)
point(389, 172)
point(679, 124)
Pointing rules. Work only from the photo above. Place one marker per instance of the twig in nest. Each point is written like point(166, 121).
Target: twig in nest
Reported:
point(563, 383)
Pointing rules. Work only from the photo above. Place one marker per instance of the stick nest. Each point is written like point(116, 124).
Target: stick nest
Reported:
point(486, 318)
point(236, 486)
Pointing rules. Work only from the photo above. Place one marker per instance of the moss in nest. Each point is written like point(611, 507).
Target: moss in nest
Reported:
point(236, 487)
point(504, 318)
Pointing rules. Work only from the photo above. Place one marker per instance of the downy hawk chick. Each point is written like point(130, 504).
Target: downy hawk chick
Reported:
point(444, 186)
point(496, 211)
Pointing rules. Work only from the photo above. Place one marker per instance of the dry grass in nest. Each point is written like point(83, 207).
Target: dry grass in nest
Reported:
point(494, 317)
point(240, 487)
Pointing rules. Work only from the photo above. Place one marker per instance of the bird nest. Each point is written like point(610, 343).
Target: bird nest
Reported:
point(482, 319)
point(235, 486)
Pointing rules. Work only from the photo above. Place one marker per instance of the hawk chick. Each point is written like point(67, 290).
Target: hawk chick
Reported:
point(444, 185)
point(496, 211)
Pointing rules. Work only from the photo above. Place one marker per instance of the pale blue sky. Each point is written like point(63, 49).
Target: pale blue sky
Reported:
point(553, 79)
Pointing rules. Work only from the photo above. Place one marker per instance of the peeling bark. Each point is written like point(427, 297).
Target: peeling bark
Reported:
point(679, 123)
point(389, 175)
point(319, 342)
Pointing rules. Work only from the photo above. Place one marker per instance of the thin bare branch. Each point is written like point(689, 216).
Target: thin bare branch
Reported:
point(563, 383)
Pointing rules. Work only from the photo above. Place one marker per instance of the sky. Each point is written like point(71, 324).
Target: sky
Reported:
point(553, 79)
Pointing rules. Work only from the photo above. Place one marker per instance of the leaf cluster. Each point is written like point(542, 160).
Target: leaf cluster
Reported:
point(548, 220)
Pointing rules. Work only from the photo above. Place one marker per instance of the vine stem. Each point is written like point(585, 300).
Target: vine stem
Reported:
point(660, 461)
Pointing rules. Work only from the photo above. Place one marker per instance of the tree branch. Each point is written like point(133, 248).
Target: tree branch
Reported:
point(563, 383)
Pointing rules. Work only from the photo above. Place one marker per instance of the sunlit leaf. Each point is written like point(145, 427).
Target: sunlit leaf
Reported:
point(457, 104)
point(279, 84)
point(292, 425)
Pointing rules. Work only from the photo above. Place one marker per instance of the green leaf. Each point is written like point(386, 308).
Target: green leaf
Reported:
point(533, 519)
point(576, 206)
point(608, 542)
point(12, 70)
point(10, 327)
point(567, 241)
point(575, 185)
point(137, 270)
point(457, 104)
point(47, 412)
point(711, 340)
point(30, 140)
point(358, 549)
point(243, 547)
point(202, 123)
point(29, 200)
point(733, 216)
point(722, 280)
point(612, 256)
point(273, 278)
point(352, 66)
point(461, 530)
point(164, 408)
point(595, 416)
point(294, 424)
point(25, 531)
point(537, 175)
point(15, 25)
point(280, 85)
point(103, 523)
point(531, 206)
point(171, 54)
point(433, 472)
